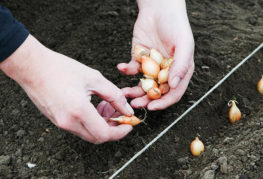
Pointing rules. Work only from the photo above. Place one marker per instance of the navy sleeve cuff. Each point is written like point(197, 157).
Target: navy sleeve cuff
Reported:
point(12, 33)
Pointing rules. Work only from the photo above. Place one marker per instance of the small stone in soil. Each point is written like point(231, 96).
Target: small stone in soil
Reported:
point(20, 133)
point(223, 168)
point(5, 159)
point(222, 160)
point(209, 174)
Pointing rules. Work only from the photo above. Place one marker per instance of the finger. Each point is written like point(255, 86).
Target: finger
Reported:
point(112, 94)
point(182, 56)
point(99, 128)
point(130, 68)
point(140, 102)
point(174, 95)
point(108, 110)
point(133, 92)
point(101, 106)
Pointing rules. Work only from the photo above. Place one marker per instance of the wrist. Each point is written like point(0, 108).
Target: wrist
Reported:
point(160, 4)
point(22, 64)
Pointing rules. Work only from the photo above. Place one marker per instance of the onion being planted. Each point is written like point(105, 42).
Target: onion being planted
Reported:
point(131, 120)
point(197, 147)
point(234, 113)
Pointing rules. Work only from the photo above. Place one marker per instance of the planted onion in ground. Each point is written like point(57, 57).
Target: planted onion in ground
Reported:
point(150, 67)
point(148, 84)
point(154, 93)
point(131, 120)
point(197, 147)
point(156, 56)
point(164, 88)
point(140, 51)
point(166, 63)
point(163, 76)
point(260, 85)
point(234, 113)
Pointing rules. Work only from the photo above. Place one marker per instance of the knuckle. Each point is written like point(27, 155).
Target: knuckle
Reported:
point(182, 70)
point(118, 96)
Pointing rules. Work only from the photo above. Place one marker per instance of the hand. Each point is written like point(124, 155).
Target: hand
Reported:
point(62, 88)
point(163, 25)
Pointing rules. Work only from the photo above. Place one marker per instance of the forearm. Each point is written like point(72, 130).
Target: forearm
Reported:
point(21, 64)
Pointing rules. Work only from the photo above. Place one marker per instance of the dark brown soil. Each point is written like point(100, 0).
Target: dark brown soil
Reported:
point(98, 34)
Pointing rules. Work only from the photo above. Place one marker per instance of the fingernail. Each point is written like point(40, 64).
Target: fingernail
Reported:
point(129, 109)
point(175, 82)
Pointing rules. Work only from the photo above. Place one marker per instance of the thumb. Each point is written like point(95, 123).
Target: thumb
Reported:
point(112, 94)
point(182, 58)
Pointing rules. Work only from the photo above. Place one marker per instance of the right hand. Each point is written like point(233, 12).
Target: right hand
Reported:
point(61, 88)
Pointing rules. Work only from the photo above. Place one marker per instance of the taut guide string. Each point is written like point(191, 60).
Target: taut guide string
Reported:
point(187, 111)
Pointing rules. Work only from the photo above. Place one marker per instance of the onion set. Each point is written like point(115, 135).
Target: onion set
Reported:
point(260, 85)
point(234, 113)
point(131, 120)
point(197, 147)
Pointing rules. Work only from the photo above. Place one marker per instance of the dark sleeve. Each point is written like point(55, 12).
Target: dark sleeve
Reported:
point(12, 33)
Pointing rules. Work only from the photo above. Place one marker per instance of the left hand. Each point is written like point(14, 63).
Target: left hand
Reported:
point(163, 25)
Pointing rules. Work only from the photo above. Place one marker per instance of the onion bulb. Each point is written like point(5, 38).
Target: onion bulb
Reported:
point(234, 113)
point(166, 63)
point(163, 76)
point(131, 120)
point(155, 55)
point(260, 86)
point(140, 51)
point(164, 88)
point(154, 93)
point(197, 147)
point(148, 83)
point(150, 67)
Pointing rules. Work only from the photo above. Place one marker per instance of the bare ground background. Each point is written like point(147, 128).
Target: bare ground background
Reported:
point(98, 34)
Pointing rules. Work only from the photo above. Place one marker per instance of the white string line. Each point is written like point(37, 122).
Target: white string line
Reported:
point(187, 111)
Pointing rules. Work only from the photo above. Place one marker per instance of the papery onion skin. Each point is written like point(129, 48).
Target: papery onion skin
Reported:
point(150, 67)
point(197, 147)
point(166, 63)
point(164, 88)
point(140, 51)
point(163, 76)
point(154, 93)
point(234, 113)
point(260, 86)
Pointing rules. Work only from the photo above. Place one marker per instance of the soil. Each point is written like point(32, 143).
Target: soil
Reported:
point(98, 34)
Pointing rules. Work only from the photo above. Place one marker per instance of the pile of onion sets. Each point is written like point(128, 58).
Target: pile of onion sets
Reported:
point(155, 69)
